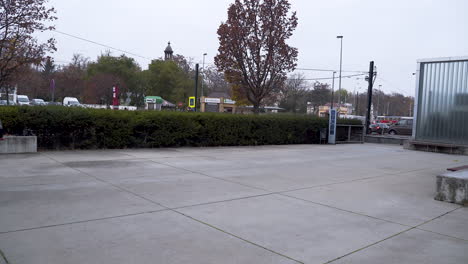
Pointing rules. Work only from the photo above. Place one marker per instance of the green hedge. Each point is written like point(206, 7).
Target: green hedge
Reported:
point(77, 128)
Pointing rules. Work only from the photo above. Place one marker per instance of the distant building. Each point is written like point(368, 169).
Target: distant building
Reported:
point(168, 52)
point(217, 105)
point(343, 109)
point(12, 94)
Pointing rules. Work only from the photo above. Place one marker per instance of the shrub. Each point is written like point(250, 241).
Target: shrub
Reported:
point(77, 128)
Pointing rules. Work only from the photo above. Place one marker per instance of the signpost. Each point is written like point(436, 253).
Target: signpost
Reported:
point(332, 127)
point(192, 102)
point(115, 97)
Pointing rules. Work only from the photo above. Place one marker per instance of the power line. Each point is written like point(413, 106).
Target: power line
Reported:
point(103, 45)
point(330, 78)
point(325, 70)
point(147, 58)
point(393, 86)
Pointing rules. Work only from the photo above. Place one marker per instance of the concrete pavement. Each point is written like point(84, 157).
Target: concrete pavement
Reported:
point(271, 204)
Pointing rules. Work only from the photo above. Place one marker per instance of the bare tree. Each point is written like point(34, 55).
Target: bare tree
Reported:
point(71, 79)
point(253, 52)
point(19, 20)
point(293, 96)
point(215, 81)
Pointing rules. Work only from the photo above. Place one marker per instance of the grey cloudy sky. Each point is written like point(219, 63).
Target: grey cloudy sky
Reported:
point(394, 33)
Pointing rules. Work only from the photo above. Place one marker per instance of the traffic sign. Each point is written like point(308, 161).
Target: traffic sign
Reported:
point(192, 103)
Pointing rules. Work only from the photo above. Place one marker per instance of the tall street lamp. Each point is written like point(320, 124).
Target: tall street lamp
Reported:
point(341, 69)
point(203, 70)
point(333, 92)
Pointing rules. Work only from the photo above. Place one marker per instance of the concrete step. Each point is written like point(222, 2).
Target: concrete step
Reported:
point(452, 187)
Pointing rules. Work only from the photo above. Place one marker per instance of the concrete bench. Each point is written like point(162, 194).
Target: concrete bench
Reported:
point(453, 187)
point(16, 145)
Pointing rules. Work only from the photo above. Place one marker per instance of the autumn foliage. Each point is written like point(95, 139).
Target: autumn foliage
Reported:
point(253, 52)
point(19, 48)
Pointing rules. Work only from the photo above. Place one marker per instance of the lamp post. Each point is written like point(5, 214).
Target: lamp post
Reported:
point(341, 69)
point(333, 91)
point(203, 70)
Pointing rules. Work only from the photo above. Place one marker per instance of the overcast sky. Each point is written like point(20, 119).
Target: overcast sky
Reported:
point(393, 33)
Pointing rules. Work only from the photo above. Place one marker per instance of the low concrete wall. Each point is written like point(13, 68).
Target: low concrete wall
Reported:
point(395, 140)
point(452, 187)
point(437, 147)
point(14, 145)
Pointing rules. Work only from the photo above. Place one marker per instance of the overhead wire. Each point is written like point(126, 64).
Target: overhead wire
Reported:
point(326, 70)
point(103, 45)
point(392, 85)
point(361, 73)
point(331, 78)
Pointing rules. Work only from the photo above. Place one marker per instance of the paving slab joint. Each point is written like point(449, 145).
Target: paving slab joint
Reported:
point(3, 259)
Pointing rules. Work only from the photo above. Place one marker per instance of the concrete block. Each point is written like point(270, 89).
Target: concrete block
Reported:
point(16, 145)
point(387, 139)
point(453, 187)
point(436, 147)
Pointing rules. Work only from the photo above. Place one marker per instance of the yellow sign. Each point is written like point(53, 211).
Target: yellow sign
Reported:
point(192, 103)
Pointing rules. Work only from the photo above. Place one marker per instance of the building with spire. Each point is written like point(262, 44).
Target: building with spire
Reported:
point(168, 52)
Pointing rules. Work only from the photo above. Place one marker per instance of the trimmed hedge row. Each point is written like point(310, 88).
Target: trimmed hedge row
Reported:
point(77, 128)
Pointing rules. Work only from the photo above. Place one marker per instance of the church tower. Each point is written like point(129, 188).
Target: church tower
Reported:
point(168, 52)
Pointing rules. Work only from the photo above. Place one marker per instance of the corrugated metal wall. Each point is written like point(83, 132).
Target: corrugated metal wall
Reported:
point(443, 102)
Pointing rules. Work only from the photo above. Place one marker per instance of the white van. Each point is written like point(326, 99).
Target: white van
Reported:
point(71, 101)
point(22, 100)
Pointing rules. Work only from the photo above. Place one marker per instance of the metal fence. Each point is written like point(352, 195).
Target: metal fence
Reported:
point(441, 110)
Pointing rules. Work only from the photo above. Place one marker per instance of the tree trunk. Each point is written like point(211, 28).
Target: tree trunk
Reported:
point(256, 108)
point(7, 95)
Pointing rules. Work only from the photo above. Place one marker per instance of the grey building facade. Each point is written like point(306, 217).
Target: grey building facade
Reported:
point(441, 103)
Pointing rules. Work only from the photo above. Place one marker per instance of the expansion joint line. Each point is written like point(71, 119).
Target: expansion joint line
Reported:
point(4, 257)
point(182, 214)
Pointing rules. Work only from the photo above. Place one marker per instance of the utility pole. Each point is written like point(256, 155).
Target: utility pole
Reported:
point(203, 70)
point(378, 100)
point(370, 79)
point(357, 103)
point(197, 66)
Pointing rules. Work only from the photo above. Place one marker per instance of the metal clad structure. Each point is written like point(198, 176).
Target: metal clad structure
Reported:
point(441, 109)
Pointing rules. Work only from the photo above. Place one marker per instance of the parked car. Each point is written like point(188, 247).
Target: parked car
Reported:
point(71, 101)
point(37, 102)
point(4, 102)
point(23, 100)
point(54, 103)
point(379, 128)
point(404, 127)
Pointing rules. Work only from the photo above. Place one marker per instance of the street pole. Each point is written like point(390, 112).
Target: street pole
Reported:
point(357, 103)
point(197, 66)
point(378, 100)
point(369, 95)
point(341, 70)
point(52, 87)
point(333, 91)
point(203, 70)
